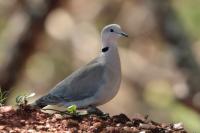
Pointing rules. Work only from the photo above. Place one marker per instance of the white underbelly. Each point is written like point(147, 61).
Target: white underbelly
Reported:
point(109, 90)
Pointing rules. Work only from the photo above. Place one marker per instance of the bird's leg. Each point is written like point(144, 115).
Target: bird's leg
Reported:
point(94, 110)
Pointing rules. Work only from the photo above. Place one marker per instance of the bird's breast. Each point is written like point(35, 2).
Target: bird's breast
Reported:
point(112, 79)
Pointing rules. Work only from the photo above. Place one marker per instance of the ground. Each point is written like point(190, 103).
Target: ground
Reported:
point(26, 120)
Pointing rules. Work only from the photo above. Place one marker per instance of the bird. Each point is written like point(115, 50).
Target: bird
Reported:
point(94, 84)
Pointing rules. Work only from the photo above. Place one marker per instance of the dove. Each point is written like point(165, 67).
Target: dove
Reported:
point(93, 84)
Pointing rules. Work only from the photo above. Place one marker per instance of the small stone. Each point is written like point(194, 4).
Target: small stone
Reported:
point(17, 129)
point(26, 122)
point(97, 125)
point(41, 122)
point(22, 122)
point(72, 123)
point(58, 116)
point(31, 131)
point(47, 125)
point(47, 121)
point(64, 122)
point(118, 124)
point(2, 127)
point(5, 109)
point(8, 128)
point(39, 127)
point(178, 126)
point(12, 131)
point(147, 126)
point(127, 129)
point(134, 129)
point(38, 114)
point(54, 129)
point(53, 119)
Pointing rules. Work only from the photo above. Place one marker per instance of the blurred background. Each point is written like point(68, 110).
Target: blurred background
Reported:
point(43, 41)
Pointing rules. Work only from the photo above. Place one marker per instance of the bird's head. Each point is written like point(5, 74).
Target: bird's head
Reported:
point(111, 33)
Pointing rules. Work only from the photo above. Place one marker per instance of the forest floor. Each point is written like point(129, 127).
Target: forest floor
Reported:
point(28, 120)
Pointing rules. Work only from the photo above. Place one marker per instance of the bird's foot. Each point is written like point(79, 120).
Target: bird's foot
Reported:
point(96, 111)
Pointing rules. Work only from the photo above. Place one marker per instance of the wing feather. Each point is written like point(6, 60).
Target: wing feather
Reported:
point(81, 84)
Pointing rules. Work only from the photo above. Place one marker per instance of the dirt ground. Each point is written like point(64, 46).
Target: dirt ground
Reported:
point(30, 121)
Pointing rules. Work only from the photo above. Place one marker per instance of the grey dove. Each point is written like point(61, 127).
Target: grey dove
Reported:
point(93, 84)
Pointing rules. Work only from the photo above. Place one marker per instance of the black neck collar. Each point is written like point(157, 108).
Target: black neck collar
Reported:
point(105, 49)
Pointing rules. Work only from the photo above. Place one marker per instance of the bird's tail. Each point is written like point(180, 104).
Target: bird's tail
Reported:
point(45, 100)
point(39, 103)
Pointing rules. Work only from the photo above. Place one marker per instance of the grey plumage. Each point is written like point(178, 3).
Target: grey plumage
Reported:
point(71, 85)
point(93, 84)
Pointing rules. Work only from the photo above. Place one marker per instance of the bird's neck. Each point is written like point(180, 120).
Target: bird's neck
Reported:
point(109, 49)
point(108, 41)
point(111, 56)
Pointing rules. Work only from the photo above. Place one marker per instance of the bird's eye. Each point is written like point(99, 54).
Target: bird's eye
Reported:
point(111, 30)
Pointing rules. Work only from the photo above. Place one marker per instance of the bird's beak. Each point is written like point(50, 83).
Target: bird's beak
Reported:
point(124, 34)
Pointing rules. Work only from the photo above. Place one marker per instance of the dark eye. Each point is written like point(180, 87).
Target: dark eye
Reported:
point(111, 30)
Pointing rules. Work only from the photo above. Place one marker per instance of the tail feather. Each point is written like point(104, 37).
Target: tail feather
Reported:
point(38, 104)
point(44, 101)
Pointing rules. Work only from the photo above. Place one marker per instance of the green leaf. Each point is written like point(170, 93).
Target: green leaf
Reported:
point(3, 97)
point(72, 109)
point(22, 99)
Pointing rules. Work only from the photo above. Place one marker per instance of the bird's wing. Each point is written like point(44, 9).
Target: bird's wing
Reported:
point(81, 84)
